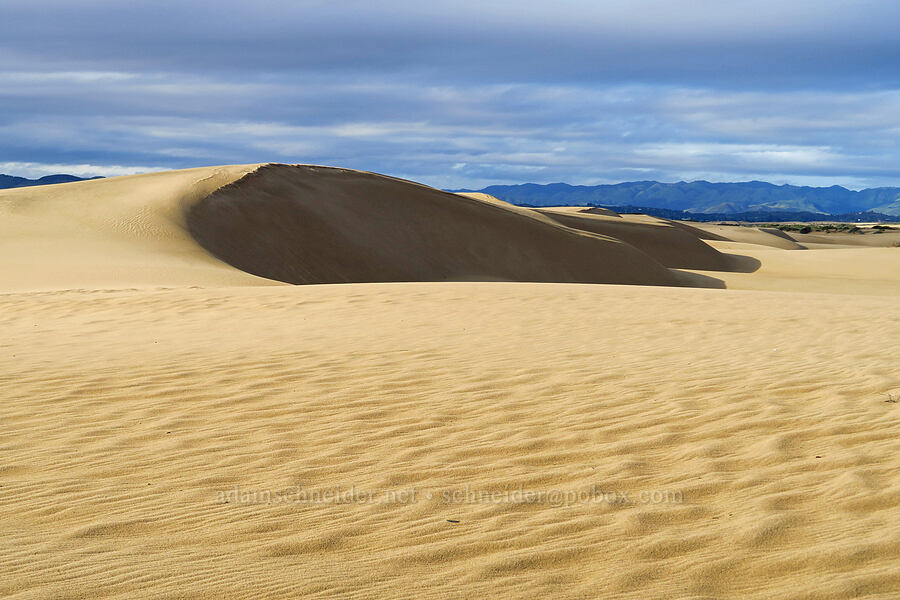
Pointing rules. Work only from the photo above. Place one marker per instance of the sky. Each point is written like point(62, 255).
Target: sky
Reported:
point(458, 94)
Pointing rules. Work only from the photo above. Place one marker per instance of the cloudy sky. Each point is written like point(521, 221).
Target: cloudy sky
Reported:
point(458, 94)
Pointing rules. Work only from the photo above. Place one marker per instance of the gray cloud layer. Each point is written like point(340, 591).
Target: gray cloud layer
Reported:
point(460, 94)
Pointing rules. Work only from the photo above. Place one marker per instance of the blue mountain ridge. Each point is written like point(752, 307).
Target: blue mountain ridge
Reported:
point(704, 197)
point(10, 181)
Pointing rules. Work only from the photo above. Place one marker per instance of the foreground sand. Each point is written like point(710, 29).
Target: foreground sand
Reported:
point(453, 440)
point(756, 420)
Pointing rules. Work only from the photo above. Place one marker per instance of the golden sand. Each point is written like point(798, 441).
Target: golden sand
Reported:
point(171, 427)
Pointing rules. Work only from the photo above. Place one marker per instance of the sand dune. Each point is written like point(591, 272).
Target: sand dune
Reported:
point(116, 232)
point(888, 239)
point(599, 210)
point(700, 233)
point(304, 224)
point(228, 436)
point(296, 224)
point(858, 271)
point(749, 235)
point(671, 246)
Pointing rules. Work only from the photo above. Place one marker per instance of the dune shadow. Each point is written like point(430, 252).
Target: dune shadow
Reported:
point(778, 233)
point(700, 233)
point(738, 263)
point(689, 279)
point(672, 245)
point(304, 224)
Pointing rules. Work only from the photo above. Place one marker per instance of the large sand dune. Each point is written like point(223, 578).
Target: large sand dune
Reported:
point(297, 224)
point(172, 426)
point(305, 224)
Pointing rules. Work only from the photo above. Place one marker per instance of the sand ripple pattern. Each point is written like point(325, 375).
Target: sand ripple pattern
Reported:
point(125, 414)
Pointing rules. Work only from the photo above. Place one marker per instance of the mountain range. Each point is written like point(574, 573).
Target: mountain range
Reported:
point(10, 181)
point(704, 197)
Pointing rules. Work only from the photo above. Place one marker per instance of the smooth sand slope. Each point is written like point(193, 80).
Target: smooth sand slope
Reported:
point(841, 270)
point(117, 232)
point(449, 439)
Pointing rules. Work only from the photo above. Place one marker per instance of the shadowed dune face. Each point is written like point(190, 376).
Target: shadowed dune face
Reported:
point(671, 246)
point(777, 233)
point(305, 224)
point(599, 210)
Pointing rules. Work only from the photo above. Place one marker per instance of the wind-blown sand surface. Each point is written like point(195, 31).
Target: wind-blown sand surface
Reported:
point(531, 439)
point(843, 270)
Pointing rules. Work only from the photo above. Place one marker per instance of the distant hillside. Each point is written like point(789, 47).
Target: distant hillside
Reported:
point(9, 181)
point(704, 197)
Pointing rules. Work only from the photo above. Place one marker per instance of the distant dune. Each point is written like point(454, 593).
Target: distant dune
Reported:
point(671, 246)
point(599, 210)
point(749, 235)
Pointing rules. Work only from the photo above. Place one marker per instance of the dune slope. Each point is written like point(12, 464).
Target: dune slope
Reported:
point(671, 246)
point(116, 232)
point(599, 210)
point(854, 270)
point(294, 224)
point(306, 224)
point(748, 235)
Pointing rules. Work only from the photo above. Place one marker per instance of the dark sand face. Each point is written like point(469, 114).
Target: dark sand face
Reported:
point(304, 224)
